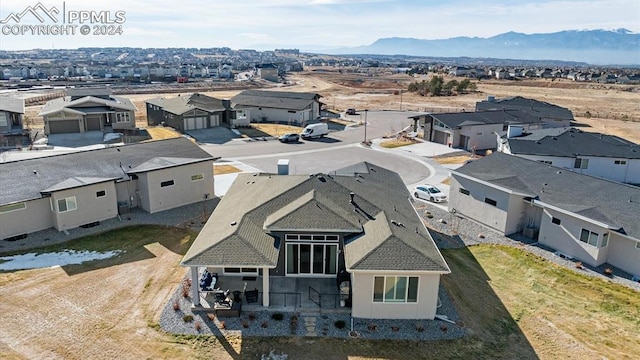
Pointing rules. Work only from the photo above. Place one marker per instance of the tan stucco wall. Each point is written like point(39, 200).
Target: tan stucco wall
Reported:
point(183, 192)
point(364, 307)
point(623, 254)
point(473, 205)
point(36, 216)
point(89, 207)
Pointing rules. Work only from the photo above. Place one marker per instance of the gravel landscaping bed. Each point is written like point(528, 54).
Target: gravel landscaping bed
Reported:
point(327, 323)
point(451, 231)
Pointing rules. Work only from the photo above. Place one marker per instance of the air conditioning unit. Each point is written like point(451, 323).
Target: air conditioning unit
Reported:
point(530, 232)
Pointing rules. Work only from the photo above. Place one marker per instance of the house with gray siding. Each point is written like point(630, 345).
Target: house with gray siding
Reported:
point(88, 109)
point(295, 108)
point(11, 113)
point(552, 115)
point(606, 156)
point(86, 187)
point(190, 112)
point(586, 218)
point(355, 225)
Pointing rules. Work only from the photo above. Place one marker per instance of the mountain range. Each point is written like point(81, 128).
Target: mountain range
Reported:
point(598, 47)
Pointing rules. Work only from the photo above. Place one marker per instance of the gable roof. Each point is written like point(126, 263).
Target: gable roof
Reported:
point(573, 142)
point(11, 104)
point(385, 228)
point(275, 99)
point(460, 119)
point(26, 179)
point(615, 204)
point(79, 105)
point(539, 109)
point(182, 104)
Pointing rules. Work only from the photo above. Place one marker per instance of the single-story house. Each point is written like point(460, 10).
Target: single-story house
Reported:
point(288, 107)
point(594, 154)
point(552, 115)
point(583, 217)
point(357, 221)
point(88, 109)
point(11, 112)
point(190, 112)
point(472, 130)
point(85, 187)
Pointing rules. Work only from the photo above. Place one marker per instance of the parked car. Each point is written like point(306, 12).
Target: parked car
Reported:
point(289, 137)
point(429, 192)
point(351, 111)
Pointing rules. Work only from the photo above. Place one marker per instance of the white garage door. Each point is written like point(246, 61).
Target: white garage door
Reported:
point(195, 123)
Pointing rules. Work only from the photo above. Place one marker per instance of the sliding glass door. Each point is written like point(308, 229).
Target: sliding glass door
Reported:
point(311, 259)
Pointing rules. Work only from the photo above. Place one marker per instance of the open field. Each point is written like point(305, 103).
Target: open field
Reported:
point(513, 304)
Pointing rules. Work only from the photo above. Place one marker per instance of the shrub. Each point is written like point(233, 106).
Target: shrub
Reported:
point(579, 265)
point(187, 318)
point(252, 316)
point(222, 324)
point(264, 324)
point(395, 328)
point(211, 316)
point(340, 324)
point(443, 328)
point(176, 305)
point(277, 316)
point(608, 271)
point(245, 324)
point(419, 327)
point(372, 327)
point(198, 326)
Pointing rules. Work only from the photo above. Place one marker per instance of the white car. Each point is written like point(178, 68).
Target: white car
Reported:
point(429, 192)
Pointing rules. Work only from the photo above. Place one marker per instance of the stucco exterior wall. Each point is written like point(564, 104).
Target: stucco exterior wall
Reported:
point(474, 206)
point(624, 254)
point(364, 307)
point(279, 115)
point(184, 191)
point(481, 136)
point(90, 208)
point(38, 213)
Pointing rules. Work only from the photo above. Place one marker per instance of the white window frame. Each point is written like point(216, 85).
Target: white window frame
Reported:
point(4, 119)
point(589, 237)
point(71, 200)
point(123, 115)
point(12, 207)
point(396, 300)
point(605, 240)
point(197, 177)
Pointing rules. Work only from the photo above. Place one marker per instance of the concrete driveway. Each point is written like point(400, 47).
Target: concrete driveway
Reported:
point(215, 135)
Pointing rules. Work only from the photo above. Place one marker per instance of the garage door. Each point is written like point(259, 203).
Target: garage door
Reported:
point(93, 122)
point(64, 126)
point(215, 120)
point(195, 123)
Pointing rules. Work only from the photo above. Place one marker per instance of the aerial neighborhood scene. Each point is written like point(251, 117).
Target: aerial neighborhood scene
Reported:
point(344, 179)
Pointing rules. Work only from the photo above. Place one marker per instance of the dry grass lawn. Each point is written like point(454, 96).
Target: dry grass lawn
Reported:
point(160, 133)
point(397, 142)
point(225, 169)
point(265, 130)
point(451, 160)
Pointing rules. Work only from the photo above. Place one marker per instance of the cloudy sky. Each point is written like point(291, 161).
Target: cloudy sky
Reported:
point(305, 24)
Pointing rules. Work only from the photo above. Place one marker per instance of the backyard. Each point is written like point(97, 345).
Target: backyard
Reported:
point(513, 304)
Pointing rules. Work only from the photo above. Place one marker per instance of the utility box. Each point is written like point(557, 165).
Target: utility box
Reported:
point(283, 167)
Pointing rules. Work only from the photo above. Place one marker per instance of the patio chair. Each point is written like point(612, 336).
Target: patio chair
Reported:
point(251, 296)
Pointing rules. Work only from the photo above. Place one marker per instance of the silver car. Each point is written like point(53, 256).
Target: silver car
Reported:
point(429, 192)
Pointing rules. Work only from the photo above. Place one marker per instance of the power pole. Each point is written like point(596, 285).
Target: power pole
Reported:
point(365, 125)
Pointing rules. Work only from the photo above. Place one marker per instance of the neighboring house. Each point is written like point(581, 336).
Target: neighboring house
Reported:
point(88, 109)
point(268, 72)
point(594, 154)
point(472, 130)
point(552, 115)
point(190, 112)
point(288, 107)
point(11, 112)
point(359, 219)
point(81, 188)
point(587, 218)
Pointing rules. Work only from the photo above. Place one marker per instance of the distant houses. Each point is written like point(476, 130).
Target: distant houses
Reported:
point(11, 121)
point(88, 109)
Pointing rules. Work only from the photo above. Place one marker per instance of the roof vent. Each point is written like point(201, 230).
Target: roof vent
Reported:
point(233, 223)
point(559, 172)
point(35, 172)
point(352, 195)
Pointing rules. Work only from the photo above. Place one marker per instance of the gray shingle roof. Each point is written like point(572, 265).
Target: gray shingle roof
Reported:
point(12, 104)
point(460, 119)
point(275, 99)
point(26, 179)
point(182, 104)
point(391, 237)
point(77, 105)
point(539, 109)
point(574, 142)
point(589, 196)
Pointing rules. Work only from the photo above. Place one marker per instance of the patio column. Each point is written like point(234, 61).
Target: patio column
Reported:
point(265, 286)
point(195, 294)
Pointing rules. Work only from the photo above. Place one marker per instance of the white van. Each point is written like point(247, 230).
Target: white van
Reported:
point(314, 131)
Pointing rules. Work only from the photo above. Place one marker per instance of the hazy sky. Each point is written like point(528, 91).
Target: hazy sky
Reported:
point(308, 24)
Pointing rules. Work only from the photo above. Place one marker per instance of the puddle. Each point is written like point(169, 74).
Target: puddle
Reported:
point(62, 258)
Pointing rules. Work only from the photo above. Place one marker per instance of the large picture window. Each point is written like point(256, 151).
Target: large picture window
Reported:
point(394, 289)
point(122, 117)
point(67, 204)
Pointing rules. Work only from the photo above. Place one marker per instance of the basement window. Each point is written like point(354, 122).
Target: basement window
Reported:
point(464, 191)
point(620, 162)
point(490, 201)
point(167, 183)
point(555, 221)
point(101, 193)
